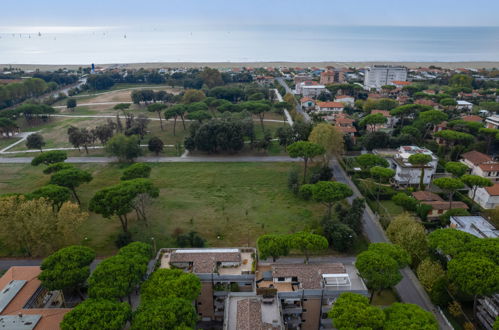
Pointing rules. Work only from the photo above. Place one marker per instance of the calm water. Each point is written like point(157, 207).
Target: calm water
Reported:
point(59, 45)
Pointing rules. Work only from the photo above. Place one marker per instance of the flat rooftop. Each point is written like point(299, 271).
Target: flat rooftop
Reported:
point(312, 276)
point(474, 225)
point(233, 261)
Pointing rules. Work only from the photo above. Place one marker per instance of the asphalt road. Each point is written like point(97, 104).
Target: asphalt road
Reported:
point(187, 159)
point(298, 106)
point(409, 289)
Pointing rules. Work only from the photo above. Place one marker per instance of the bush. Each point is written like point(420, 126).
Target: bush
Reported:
point(306, 191)
point(320, 173)
point(293, 180)
point(407, 202)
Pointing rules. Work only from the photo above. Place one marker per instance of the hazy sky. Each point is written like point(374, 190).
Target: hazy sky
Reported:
point(205, 12)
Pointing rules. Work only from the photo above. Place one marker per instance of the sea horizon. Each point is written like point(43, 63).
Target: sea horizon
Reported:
point(227, 43)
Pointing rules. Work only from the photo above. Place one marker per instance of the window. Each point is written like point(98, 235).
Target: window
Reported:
point(199, 303)
point(280, 279)
point(294, 279)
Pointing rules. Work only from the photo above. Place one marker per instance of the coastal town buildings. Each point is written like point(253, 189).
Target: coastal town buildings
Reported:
point(380, 75)
point(409, 174)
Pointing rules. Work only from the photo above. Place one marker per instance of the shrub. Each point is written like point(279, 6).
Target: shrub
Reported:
point(407, 202)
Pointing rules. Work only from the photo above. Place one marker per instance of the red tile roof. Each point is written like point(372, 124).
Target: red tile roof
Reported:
point(489, 167)
point(330, 104)
point(347, 129)
point(473, 118)
point(444, 205)
point(426, 196)
point(493, 190)
point(397, 82)
point(343, 97)
point(476, 157)
point(306, 99)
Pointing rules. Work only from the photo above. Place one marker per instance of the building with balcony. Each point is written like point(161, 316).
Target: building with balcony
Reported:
point(221, 271)
point(408, 174)
point(475, 225)
point(481, 164)
point(492, 122)
point(380, 75)
point(308, 291)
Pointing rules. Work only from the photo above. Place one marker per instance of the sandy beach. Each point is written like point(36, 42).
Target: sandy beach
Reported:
point(222, 65)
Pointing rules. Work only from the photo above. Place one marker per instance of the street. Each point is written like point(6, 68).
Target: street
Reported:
point(298, 106)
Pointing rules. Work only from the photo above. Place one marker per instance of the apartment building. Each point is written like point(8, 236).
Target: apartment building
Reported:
point(331, 77)
point(220, 271)
point(380, 75)
point(492, 122)
point(308, 291)
point(242, 294)
point(408, 174)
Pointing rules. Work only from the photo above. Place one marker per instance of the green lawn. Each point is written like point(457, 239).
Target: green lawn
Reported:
point(234, 201)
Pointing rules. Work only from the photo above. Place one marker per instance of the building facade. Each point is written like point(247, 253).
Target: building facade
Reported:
point(380, 75)
point(408, 174)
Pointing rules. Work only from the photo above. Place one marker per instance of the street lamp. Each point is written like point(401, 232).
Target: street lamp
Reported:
point(153, 244)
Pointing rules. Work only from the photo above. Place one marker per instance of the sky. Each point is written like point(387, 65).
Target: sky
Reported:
point(216, 12)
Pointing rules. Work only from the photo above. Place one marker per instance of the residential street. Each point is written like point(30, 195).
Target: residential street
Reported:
point(298, 106)
point(409, 289)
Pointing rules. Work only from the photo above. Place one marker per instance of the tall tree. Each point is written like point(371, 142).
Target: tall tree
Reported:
point(34, 228)
point(308, 242)
point(457, 169)
point(273, 245)
point(410, 234)
point(71, 104)
point(306, 151)
point(373, 120)
point(329, 192)
point(450, 186)
point(170, 283)
point(489, 134)
point(475, 182)
point(57, 195)
point(409, 316)
point(49, 157)
point(367, 161)
point(155, 145)
point(126, 148)
point(158, 108)
point(379, 271)
point(97, 314)
point(422, 161)
point(381, 174)
point(353, 311)
point(431, 118)
point(35, 141)
point(474, 275)
point(165, 313)
point(71, 178)
point(329, 137)
point(68, 268)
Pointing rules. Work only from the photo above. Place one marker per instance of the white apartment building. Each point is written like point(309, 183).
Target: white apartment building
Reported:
point(379, 75)
point(408, 174)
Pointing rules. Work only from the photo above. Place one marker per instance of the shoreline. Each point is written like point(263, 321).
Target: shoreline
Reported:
point(221, 65)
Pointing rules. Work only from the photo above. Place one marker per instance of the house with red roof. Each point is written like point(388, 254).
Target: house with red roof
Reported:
point(329, 108)
point(345, 99)
point(472, 118)
point(307, 103)
point(487, 197)
point(481, 164)
point(438, 205)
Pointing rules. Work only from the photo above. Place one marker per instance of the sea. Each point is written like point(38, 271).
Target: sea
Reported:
point(244, 43)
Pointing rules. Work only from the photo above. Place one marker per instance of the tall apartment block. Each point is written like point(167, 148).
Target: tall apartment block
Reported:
point(380, 75)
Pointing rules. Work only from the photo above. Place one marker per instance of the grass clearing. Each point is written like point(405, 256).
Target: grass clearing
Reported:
point(229, 204)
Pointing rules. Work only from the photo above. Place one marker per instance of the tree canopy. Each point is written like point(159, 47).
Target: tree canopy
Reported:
point(71, 178)
point(170, 283)
point(165, 313)
point(308, 242)
point(366, 161)
point(126, 148)
point(136, 171)
point(306, 151)
point(409, 316)
point(273, 245)
point(97, 314)
point(49, 157)
point(353, 311)
point(67, 268)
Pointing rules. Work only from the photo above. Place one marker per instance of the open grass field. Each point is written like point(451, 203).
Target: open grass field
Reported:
point(229, 204)
point(55, 135)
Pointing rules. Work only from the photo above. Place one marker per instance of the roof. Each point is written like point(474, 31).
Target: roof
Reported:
point(330, 104)
point(50, 318)
point(425, 102)
point(489, 166)
point(398, 82)
point(347, 129)
point(426, 196)
point(385, 113)
point(476, 157)
point(474, 225)
point(343, 97)
point(461, 102)
point(204, 261)
point(493, 190)
point(309, 275)
point(306, 99)
point(473, 118)
point(343, 120)
point(444, 205)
